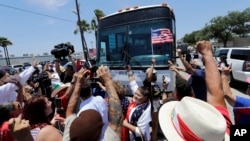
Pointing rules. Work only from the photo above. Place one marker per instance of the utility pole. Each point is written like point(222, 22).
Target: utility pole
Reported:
point(84, 44)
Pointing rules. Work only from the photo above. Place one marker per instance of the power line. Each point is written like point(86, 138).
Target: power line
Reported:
point(28, 11)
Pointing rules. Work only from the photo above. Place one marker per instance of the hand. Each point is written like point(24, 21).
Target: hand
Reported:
point(103, 73)
point(178, 51)
point(153, 61)
point(204, 47)
point(83, 76)
point(227, 70)
point(20, 129)
point(173, 68)
point(170, 63)
point(125, 122)
point(35, 62)
point(101, 86)
point(57, 118)
point(70, 51)
point(74, 78)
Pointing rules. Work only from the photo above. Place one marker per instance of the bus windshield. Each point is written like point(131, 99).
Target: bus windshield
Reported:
point(131, 43)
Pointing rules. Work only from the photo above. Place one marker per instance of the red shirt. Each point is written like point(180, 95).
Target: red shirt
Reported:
point(5, 132)
point(226, 115)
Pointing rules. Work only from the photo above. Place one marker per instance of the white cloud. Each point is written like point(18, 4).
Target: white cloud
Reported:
point(49, 4)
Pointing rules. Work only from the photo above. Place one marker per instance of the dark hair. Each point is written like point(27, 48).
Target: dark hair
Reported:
point(183, 88)
point(70, 66)
point(120, 90)
point(85, 89)
point(5, 110)
point(34, 110)
point(2, 73)
point(224, 57)
point(145, 91)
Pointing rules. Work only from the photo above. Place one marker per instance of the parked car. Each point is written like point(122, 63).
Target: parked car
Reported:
point(239, 57)
point(17, 67)
point(9, 69)
point(26, 65)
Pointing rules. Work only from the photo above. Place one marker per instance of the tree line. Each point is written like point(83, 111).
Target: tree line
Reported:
point(223, 28)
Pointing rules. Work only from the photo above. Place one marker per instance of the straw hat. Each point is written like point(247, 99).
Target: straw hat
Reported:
point(192, 119)
point(58, 88)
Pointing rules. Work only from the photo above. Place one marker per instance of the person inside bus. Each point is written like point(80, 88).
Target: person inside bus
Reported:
point(155, 90)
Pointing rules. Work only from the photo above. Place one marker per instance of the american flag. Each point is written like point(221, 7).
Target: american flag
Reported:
point(162, 35)
point(241, 115)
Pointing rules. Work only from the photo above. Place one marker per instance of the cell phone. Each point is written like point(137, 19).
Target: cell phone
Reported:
point(58, 102)
point(166, 79)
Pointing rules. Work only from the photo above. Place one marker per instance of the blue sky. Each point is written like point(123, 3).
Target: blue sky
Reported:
point(36, 34)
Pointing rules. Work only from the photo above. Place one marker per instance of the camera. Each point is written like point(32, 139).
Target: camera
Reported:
point(62, 50)
point(42, 79)
point(58, 104)
point(165, 79)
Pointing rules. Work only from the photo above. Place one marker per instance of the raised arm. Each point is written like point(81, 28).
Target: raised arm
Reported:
point(114, 105)
point(72, 59)
point(225, 85)
point(133, 84)
point(215, 94)
point(150, 73)
point(20, 92)
point(76, 93)
point(57, 66)
point(188, 67)
point(176, 69)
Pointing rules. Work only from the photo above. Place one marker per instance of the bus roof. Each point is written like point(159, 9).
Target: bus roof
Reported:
point(136, 8)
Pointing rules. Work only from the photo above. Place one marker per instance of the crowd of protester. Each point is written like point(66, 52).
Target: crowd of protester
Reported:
point(55, 104)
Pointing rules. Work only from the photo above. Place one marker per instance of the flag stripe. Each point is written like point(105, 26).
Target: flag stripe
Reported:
point(162, 35)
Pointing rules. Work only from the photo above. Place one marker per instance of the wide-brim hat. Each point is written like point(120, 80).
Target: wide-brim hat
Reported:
point(192, 119)
point(58, 88)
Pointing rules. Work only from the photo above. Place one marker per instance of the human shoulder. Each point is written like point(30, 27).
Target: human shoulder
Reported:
point(49, 132)
point(199, 72)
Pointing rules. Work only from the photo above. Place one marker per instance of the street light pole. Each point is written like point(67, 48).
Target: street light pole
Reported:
point(84, 45)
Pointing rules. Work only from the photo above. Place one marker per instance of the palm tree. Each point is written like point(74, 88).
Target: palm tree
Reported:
point(84, 25)
point(95, 21)
point(4, 42)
